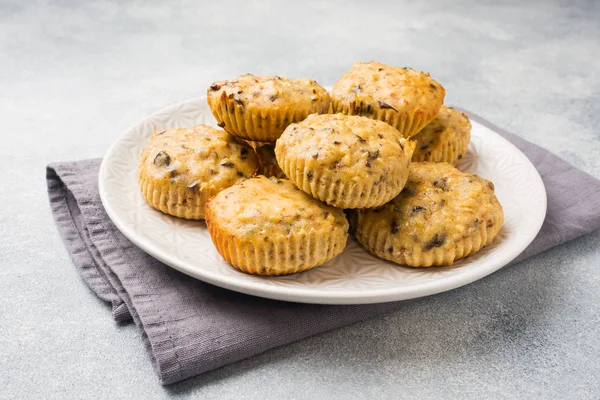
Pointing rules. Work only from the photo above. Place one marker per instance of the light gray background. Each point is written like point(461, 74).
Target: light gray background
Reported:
point(74, 75)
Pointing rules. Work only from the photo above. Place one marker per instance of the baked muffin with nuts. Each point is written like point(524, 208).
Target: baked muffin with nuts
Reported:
point(403, 97)
point(345, 161)
point(445, 139)
point(259, 108)
point(442, 215)
point(181, 168)
point(267, 226)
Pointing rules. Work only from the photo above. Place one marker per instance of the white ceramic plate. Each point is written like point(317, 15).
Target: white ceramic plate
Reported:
point(353, 277)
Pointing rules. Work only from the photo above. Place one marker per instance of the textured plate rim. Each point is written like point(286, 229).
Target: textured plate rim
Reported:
point(298, 294)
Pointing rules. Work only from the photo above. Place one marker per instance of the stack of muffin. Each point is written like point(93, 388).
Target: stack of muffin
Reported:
point(274, 182)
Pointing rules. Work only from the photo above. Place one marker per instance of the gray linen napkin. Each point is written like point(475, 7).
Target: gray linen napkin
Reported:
point(191, 327)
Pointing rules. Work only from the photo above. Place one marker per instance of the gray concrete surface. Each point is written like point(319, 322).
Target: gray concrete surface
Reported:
point(74, 75)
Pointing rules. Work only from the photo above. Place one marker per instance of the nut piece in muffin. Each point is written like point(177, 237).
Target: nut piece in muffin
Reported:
point(267, 226)
point(445, 139)
point(442, 215)
point(345, 161)
point(403, 97)
point(267, 163)
point(259, 108)
point(181, 168)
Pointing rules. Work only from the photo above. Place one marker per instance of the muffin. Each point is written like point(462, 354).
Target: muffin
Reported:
point(445, 139)
point(266, 226)
point(403, 97)
point(181, 168)
point(267, 163)
point(442, 215)
point(345, 161)
point(259, 108)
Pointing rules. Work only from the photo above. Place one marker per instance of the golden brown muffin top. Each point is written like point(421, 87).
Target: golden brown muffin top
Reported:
point(354, 147)
point(448, 125)
point(201, 158)
point(270, 92)
point(439, 206)
point(403, 90)
point(273, 207)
